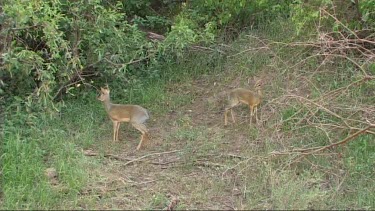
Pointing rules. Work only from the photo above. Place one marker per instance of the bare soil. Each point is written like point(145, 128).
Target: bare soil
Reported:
point(189, 175)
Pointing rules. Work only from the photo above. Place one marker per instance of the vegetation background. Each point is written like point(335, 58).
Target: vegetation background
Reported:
point(313, 148)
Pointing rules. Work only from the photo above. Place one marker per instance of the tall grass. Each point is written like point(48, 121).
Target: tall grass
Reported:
point(31, 145)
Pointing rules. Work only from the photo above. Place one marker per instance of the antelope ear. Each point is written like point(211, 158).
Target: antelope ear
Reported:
point(102, 89)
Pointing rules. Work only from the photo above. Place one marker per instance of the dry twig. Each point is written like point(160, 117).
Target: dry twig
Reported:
point(314, 150)
point(351, 137)
point(149, 155)
point(116, 157)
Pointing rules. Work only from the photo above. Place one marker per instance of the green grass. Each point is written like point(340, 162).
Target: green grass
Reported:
point(23, 184)
point(29, 149)
point(158, 201)
point(360, 160)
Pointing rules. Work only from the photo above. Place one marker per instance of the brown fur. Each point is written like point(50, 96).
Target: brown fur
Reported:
point(118, 113)
point(245, 96)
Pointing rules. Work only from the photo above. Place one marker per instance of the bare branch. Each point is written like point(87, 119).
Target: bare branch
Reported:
point(149, 155)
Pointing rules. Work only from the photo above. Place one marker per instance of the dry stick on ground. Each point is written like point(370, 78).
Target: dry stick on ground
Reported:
point(233, 156)
point(165, 163)
point(358, 82)
point(207, 164)
point(308, 115)
point(239, 163)
point(351, 137)
point(314, 150)
point(116, 157)
point(336, 45)
point(267, 46)
point(342, 127)
point(322, 129)
point(339, 22)
point(344, 120)
point(334, 114)
point(334, 55)
point(149, 155)
point(304, 151)
point(319, 106)
point(341, 142)
point(349, 59)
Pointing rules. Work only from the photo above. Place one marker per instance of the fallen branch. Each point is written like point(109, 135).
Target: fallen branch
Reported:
point(208, 164)
point(313, 150)
point(342, 127)
point(358, 82)
point(233, 156)
point(334, 144)
point(223, 155)
point(165, 163)
point(116, 157)
point(149, 155)
point(340, 142)
point(320, 106)
point(239, 163)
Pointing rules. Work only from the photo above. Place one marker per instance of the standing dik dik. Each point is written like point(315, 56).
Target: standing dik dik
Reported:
point(245, 96)
point(118, 113)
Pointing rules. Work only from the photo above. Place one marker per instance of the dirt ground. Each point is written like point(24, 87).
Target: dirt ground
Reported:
point(187, 164)
point(193, 161)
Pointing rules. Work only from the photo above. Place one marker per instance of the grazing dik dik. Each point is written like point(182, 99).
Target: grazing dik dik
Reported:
point(118, 113)
point(245, 96)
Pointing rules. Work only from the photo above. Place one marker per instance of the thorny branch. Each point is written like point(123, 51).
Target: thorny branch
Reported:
point(351, 137)
point(315, 150)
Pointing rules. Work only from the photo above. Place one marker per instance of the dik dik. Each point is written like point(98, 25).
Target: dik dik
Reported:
point(118, 113)
point(245, 96)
